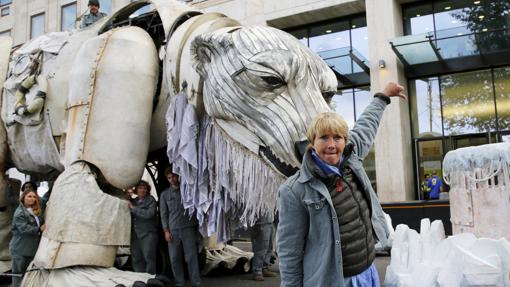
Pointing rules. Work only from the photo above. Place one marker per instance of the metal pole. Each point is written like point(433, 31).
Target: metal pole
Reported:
point(11, 275)
point(429, 94)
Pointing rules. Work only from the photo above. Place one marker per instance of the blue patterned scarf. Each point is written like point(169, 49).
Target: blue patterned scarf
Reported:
point(326, 168)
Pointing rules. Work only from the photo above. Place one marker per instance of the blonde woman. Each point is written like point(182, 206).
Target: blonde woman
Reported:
point(330, 217)
point(27, 226)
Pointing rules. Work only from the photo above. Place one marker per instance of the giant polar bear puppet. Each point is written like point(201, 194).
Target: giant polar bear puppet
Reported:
point(232, 104)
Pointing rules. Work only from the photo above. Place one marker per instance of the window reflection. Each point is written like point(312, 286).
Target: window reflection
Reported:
point(338, 59)
point(68, 17)
point(359, 45)
point(369, 166)
point(329, 37)
point(350, 103)
point(362, 97)
point(468, 105)
point(335, 40)
point(451, 18)
point(418, 19)
point(502, 86)
point(37, 25)
point(426, 110)
point(344, 105)
point(105, 6)
point(447, 17)
point(471, 103)
point(144, 9)
point(430, 155)
point(359, 36)
point(457, 46)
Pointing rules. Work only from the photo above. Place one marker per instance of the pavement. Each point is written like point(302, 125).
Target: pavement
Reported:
point(246, 279)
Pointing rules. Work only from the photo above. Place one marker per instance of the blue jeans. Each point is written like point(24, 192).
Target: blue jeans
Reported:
point(367, 278)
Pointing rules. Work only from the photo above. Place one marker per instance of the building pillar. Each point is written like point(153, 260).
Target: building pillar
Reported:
point(393, 145)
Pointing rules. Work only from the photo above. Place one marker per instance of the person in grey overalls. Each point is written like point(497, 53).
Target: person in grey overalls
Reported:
point(261, 234)
point(27, 226)
point(144, 230)
point(180, 232)
point(93, 15)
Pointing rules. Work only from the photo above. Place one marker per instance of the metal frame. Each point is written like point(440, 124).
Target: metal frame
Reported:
point(152, 170)
point(360, 62)
point(341, 78)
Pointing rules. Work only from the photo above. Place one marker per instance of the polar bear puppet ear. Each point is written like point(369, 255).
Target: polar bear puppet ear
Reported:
point(206, 46)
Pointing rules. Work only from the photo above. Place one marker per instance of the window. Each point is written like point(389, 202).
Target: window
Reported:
point(350, 104)
point(105, 6)
point(458, 104)
point(5, 11)
point(37, 23)
point(502, 87)
point(455, 18)
point(327, 37)
point(418, 19)
point(458, 110)
point(430, 155)
point(426, 107)
point(362, 98)
point(468, 103)
point(344, 105)
point(68, 17)
point(339, 42)
point(5, 2)
point(144, 9)
point(359, 35)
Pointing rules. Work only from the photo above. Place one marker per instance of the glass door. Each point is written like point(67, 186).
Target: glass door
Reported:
point(430, 154)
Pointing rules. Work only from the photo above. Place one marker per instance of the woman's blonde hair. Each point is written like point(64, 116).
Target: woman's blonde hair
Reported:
point(36, 208)
point(327, 123)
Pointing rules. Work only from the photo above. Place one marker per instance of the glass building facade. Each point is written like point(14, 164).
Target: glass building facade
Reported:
point(451, 110)
point(451, 106)
point(343, 44)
